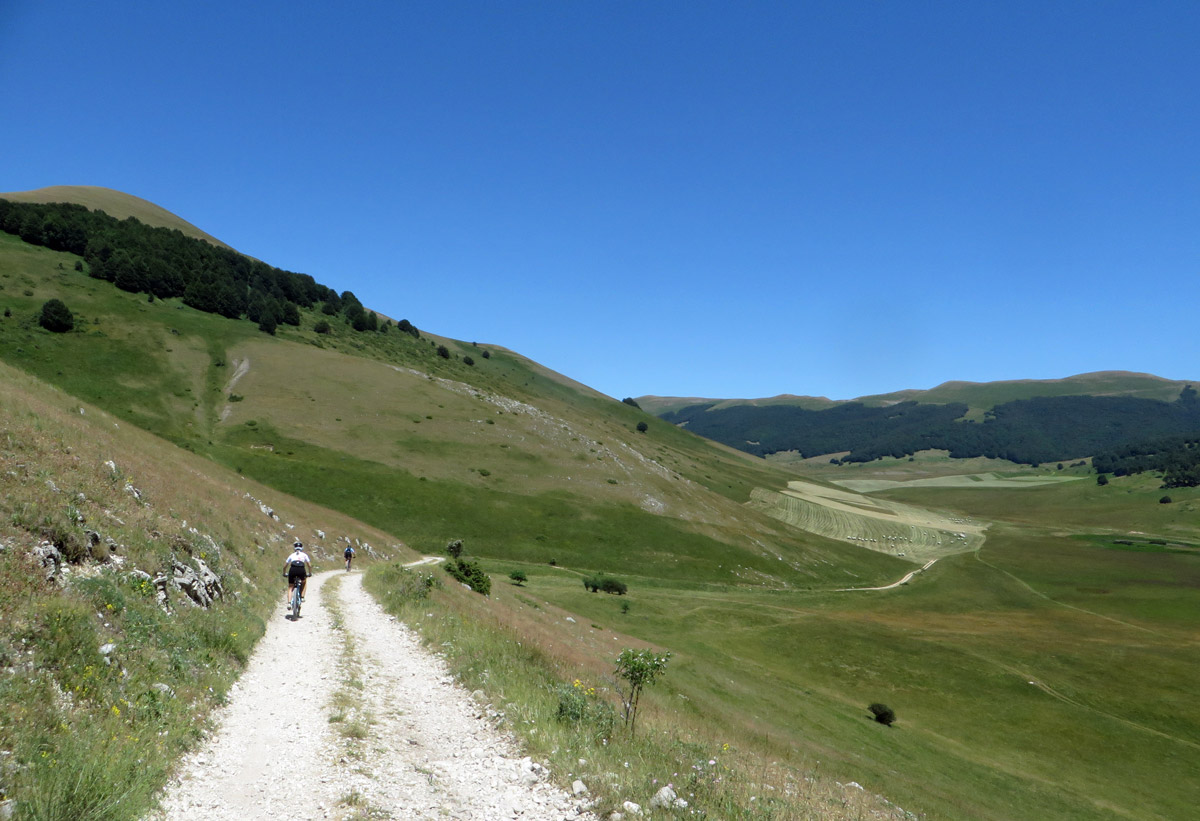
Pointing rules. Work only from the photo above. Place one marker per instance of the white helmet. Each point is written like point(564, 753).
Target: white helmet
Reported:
point(297, 546)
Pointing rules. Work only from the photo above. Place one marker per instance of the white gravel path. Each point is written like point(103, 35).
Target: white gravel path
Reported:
point(429, 751)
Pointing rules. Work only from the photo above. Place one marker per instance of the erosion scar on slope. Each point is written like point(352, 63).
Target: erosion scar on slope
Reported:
point(421, 747)
point(243, 368)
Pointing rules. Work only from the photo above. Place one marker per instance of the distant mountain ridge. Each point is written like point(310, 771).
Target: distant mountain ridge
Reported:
point(981, 395)
point(1029, 421)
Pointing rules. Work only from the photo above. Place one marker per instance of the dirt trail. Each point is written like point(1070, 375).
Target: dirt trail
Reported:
point(903, 580)
point(360, 722)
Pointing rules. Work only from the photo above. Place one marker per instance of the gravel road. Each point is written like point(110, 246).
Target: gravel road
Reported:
point(342, 714)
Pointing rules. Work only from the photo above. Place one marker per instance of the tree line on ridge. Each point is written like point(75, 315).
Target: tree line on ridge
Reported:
point(165, 263)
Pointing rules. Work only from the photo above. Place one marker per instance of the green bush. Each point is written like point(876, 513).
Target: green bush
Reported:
point(608, 584)
point(56, 317)
point(883, 713)
point(471, 574)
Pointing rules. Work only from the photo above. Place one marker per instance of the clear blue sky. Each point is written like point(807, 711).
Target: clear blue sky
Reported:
point(679, 198)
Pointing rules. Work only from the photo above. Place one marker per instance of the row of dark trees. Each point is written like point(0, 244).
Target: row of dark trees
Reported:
point(1177, 457)
point(595, 584)
point(1032, 431)
point(166, 263)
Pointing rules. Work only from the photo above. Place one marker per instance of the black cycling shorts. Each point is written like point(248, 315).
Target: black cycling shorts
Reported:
point(296, 573)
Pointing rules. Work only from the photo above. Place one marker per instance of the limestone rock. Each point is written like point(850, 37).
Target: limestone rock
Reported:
point(49, 557)
point(663, 799)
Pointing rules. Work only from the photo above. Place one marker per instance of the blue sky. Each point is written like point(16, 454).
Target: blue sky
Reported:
point(677, 198)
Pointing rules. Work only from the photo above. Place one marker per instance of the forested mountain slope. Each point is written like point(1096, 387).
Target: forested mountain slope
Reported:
point(1029, 430)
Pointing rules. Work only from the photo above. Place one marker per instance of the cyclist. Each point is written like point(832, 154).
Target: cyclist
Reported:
point(297, 568)
point(349, 554)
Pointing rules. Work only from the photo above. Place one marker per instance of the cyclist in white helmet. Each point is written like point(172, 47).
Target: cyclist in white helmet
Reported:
point(297, 568)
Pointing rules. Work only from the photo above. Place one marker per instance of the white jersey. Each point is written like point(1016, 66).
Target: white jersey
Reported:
point(298, 557)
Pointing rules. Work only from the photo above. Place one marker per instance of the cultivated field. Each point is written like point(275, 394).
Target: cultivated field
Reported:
point(889, 527)
point(975, 480)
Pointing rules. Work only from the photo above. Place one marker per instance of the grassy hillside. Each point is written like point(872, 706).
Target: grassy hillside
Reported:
point(384, 428)
point(539, 474)
point(102, 684)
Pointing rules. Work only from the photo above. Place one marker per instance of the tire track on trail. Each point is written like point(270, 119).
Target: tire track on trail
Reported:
point(424, 748)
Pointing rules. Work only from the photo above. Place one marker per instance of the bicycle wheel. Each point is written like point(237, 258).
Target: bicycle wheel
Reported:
point(296, 602)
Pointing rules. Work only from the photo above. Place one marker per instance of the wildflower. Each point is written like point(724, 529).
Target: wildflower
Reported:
point(116, 711)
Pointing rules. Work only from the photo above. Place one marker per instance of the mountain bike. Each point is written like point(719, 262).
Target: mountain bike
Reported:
point(296, 600)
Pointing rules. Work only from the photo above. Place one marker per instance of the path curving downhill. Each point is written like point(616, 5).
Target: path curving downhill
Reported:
point(342, 714)
point(903, 580)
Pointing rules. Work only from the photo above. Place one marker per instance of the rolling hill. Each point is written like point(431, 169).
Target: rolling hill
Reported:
point(742, 571)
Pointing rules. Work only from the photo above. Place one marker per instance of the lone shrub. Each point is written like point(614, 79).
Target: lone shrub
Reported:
point(1166, 500)
point(638, 668)
point(883, 713)
point(518, 576)
point(56, 317)
point(642, 427)
point(455, 548)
